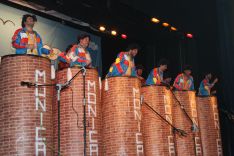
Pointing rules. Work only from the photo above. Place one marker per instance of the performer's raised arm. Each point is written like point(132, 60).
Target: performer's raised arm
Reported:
point(205, 85)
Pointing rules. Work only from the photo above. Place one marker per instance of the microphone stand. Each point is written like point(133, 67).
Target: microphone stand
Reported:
point(83, 70)
point(84, 110)
point(59, 88)
point(180, 131)
point(194, 127)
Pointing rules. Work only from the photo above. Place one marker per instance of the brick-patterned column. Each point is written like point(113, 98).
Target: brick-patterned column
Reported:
point(208, 116)
point(25, 113)
point(190, 145)
point(72, 112)
point(157, 134)
point(122, 117)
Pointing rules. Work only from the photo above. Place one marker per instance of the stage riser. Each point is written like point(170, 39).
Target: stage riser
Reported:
point(72, 141)
point(208, 116)
point(25, 113)
point(118, 120)
point(158, 136)
point(121, 108)
point(191, 144)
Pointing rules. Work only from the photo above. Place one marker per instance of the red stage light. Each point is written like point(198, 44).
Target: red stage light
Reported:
point(124, 36)
point(189, 35)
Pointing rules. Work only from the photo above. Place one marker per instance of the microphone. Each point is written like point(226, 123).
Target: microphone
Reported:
point(28, 84)
point(84, 70)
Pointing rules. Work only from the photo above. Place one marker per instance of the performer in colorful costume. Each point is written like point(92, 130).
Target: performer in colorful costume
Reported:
point(156, 75)
point(184, 81)
point(205, 86)
point(79, 54)
point(26, 40)
point(64, 59)
point(124, 64)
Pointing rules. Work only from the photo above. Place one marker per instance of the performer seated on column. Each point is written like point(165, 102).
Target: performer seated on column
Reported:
point(184, 81)
point(124, 64)
point(64, 58)
point(79, 54)
point(206, 86)
point(156, 75)
point(139, 71)
point(26, 40)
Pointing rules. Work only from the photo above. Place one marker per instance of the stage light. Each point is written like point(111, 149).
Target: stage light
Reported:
point(173, 29)
point(155, 20)
point(165, 24)
point(113, 32)
point(102, 28)
point(189, 35)
point(124, 36)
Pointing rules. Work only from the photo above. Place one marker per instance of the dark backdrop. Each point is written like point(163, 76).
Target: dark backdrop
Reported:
point(211, 49)
point(226, 55)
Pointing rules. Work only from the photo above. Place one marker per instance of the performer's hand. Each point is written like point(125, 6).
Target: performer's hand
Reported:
point(216, 80)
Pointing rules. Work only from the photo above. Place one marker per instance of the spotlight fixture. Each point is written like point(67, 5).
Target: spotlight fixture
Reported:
point(165, 24)
point(189, 35)
point(155, 20)
point(113, 32)
point(102, 28)
point(124, 36)
point(173, 28)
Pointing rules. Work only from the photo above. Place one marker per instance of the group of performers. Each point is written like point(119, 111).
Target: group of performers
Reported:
point(27, 41)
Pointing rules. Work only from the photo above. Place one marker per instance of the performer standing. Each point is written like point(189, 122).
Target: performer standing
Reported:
point(139, 71)
point(184, 81)
point(26, 40)
point(79, 54)
point(156, 75)
point(205, 85)
point(124, 64)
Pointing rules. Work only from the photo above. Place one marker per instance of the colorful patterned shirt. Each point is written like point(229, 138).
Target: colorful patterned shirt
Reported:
point(204, 89)
point(21, 38)
point(183, 82)
point(155, 77)
point(123, 66)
